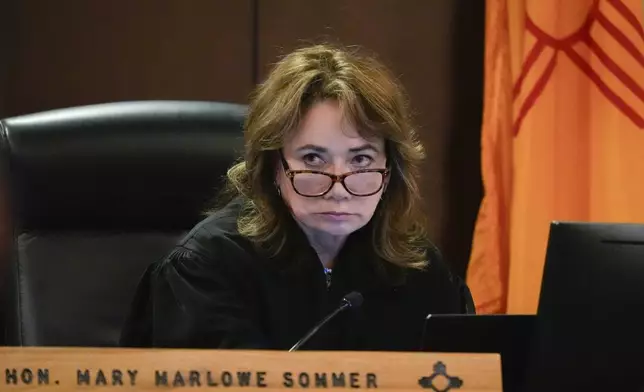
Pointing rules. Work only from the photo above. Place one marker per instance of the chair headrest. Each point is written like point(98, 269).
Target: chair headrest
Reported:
point(126, 165)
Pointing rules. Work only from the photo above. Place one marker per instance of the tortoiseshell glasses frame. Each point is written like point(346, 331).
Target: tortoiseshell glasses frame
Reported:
point(333, 179)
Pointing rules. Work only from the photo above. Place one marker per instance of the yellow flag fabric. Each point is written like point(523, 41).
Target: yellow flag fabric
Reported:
point(562, 135)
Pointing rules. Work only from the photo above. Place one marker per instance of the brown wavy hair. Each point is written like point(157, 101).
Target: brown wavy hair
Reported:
point(369, 96)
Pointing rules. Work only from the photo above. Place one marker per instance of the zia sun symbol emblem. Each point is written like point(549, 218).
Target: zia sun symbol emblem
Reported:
point(440, 381)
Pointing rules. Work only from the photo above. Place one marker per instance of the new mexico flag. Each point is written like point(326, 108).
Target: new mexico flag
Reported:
point(562, 136)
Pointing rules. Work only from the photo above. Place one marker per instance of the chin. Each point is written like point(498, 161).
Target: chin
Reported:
point(339, 229)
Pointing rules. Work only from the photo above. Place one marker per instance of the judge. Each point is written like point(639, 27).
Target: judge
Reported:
point(325, 202)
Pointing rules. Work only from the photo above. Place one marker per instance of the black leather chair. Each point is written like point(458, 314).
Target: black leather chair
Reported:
point(96, 194)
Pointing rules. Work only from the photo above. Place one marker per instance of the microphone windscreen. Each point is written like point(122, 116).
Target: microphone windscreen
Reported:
point(354, 299)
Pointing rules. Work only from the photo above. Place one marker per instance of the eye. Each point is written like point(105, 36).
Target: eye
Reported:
point(362, 160)
point(312, 159)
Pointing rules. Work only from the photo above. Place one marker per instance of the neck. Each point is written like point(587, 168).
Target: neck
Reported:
point(326, 246)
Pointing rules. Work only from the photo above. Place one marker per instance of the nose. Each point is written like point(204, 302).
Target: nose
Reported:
point(338, 191)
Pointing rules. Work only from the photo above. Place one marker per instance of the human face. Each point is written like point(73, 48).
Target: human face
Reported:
point(325, 142)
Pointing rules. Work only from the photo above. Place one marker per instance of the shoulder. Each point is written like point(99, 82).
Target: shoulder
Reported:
point(217, 232)
point(213, 243)
point(438, 277)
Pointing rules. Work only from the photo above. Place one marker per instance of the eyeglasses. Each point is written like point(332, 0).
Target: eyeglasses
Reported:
point(314, 183)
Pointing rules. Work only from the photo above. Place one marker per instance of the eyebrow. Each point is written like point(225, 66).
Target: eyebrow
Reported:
point(322, 150)
point(312, 147)
point(364, 147)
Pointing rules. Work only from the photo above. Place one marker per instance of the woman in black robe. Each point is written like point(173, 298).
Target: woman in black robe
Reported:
point(326, 202)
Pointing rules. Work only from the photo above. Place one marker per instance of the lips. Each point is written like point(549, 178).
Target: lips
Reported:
point(336, 216)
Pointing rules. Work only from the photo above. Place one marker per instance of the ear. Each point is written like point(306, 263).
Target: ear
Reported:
point(386, 181)
point(279, 168)
point(279, 172)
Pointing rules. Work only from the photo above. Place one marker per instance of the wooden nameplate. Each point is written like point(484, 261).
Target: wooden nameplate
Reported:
point(91, 369)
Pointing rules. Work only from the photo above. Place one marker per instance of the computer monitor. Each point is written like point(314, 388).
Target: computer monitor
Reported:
point(507, 335)
point(589, 332)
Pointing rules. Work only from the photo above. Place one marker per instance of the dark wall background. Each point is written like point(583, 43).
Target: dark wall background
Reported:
point(77, 52)
point(6, 34)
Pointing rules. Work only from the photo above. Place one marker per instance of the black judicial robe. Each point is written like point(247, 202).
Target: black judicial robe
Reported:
point(215, 290)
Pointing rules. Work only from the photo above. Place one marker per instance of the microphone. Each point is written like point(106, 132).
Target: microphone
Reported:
point(352, 300)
